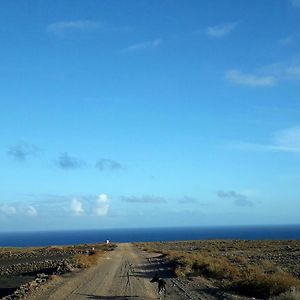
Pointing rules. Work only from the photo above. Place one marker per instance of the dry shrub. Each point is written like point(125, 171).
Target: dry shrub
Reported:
point(240, 265)
point(269, 267)
point(240, 260)
point(182, 265)
point(53, 277)
point(251, 282)
point(55, 248)
point(86, 260)
point(150, 250)
point(107, 247)
point(197, 264)
point(265, 286)
point(216, 268)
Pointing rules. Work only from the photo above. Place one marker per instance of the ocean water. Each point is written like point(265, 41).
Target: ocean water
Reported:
point(45, 238)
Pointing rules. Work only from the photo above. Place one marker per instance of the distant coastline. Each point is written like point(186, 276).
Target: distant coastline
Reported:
point(46, 238)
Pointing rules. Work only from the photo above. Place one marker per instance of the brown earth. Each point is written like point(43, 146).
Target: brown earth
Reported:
point(271, 255)
point(125, 273)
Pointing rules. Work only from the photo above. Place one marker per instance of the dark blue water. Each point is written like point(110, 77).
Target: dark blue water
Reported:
point(148, 235)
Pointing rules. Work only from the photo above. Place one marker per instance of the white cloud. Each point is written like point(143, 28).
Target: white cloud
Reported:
point(144, 45)
point(287, 140)
point(69, 26)
point(31, 211)
point(237, 77)
point(61, 205)
point(102, 205)
point(220, 30)
point(76, 207)
point(18, 209)
point(8, 209)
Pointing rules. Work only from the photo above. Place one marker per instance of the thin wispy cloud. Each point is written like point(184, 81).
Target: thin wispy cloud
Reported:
point(18, 209)
point(20, 152)
point(268, 75)
point(8, 209)
point(293, 72)
point(287, 140)
point(284, 70)
point(144, 199)
point(61, 205)
point(67, 162)
point(187, 200)
point(295, 3)
point(222, 30)
point(105, 164)
point(238, 198)
point(152, 44)
point(251, 80)
point(51, 204)
point(73, 26)
point(285, 41)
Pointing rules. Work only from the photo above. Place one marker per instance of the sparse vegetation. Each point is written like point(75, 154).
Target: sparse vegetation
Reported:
point(261, 269)
point(199, 264)
point(87, 260)
point(19, 266)
point(264, 285)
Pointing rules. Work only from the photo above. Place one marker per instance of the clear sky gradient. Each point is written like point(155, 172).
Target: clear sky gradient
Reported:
point(149, 113)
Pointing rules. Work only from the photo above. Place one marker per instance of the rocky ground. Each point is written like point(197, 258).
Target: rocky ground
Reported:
point(126, 273)
point(23, 269)
point(201, 266)
point(260, 269)
point(270, 254)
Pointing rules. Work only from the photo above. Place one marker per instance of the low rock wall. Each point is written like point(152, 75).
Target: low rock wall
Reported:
point(54, 266)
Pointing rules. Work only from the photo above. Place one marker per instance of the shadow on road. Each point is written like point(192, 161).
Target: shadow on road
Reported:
point(154, 265)
point(96, 297)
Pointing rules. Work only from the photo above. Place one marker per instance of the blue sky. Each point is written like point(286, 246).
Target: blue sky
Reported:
point(149, 113)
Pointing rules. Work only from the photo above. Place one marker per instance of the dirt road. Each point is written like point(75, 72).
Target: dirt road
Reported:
point(124, 273)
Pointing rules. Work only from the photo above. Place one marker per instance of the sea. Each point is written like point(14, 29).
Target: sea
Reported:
point(73, 237)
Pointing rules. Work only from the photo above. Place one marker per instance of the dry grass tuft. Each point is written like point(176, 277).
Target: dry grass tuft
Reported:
point(86, 260)
point(260, 269)
point(265, 285)
point(199, 264)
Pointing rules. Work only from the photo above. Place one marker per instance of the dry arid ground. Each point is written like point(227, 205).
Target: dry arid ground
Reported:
point(29, 267)
point(260, 269)
point(206, 270)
